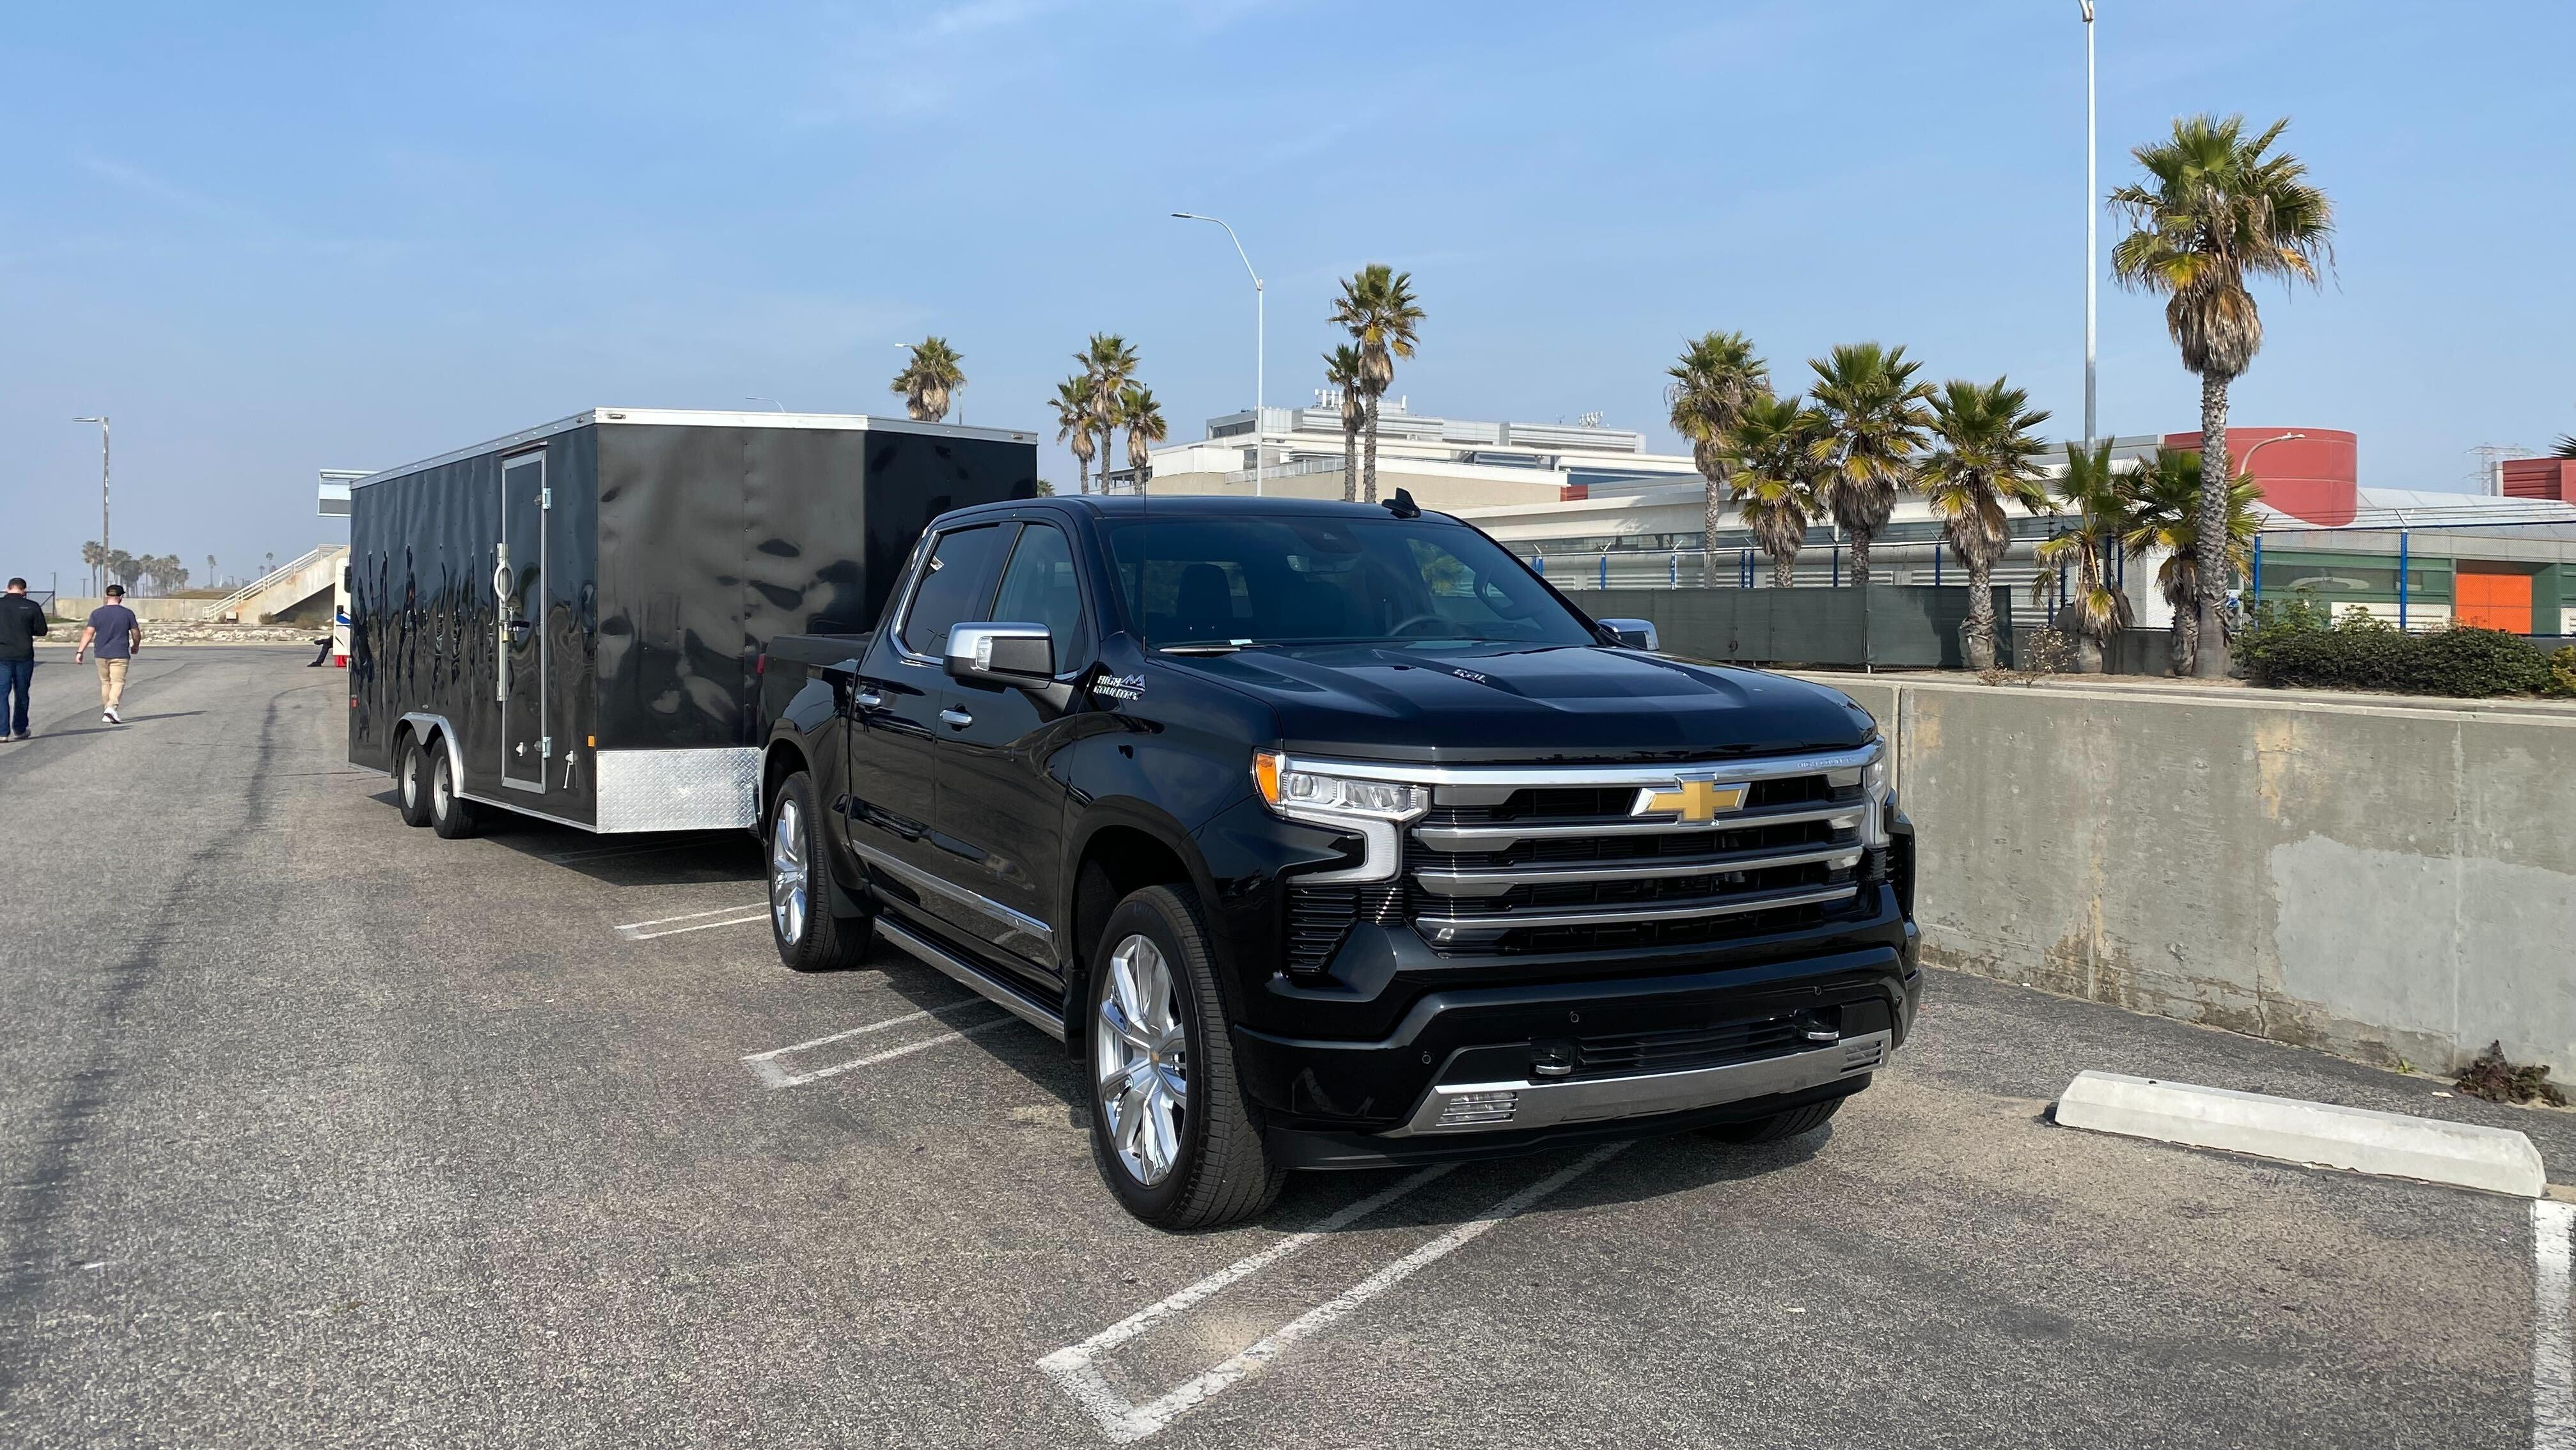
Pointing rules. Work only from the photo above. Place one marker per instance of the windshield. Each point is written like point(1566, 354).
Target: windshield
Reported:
point(1295, 580)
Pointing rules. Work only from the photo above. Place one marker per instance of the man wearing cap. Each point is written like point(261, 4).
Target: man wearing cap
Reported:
point(116, 634)
point(22, 623)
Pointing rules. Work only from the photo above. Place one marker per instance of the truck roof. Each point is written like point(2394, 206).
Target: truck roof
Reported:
point(702, 418)
point(1211, 505)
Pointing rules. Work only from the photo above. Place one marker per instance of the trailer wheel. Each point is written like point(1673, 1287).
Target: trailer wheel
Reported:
point(450, 814)
point(809, 936)
point(1171, 1131)
point(411, 781)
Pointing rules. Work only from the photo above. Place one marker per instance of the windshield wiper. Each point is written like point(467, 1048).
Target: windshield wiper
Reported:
point(1211, 647)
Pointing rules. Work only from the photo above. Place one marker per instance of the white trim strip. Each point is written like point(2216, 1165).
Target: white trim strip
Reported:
point(2553, 1348)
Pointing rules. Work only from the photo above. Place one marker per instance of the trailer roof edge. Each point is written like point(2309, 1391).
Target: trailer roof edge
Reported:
point(703, 418)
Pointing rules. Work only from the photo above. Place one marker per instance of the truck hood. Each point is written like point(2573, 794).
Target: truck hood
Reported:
point(1501, 702)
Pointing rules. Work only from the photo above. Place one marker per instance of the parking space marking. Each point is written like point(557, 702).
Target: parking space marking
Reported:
point(2553, 1347)
point(1076, 1368)
point(764, 1065)
point(635, 930)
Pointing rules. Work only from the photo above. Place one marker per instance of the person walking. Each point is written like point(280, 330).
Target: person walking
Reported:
point(115, 634)
point(22, 623)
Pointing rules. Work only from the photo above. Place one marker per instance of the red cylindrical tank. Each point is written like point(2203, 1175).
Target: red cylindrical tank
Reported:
point(2316, 476)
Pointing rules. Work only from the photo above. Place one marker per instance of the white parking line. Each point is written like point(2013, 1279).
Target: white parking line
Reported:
point(1076, 1368)
point(764, 1065)
point(2553, 1349)
point(733, 916)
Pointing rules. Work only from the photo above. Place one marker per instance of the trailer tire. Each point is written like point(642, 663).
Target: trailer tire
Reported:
point(808, 935)
point(1215, 1169)
point(450, 814)
point(411, 780)
point(1777, 1126)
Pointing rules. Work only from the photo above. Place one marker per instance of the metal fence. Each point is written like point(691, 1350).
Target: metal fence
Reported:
point(1907, 564)
point(1879, 626)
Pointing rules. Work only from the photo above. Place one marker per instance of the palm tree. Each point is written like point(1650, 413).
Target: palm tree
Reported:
point(1983, 454)
point(96, 558)
point(124, 568)
point(1717, 377)
point(1772, 469)
point(1142, 417)
point(1875, 419)
point(1384, 317)
point(2100, 501)
point(1109, 363)
point(1073, 426)
point(2164, 517)
point(935, 371)
point(2566, 446)
point(2216, 209)
point(1342, 371)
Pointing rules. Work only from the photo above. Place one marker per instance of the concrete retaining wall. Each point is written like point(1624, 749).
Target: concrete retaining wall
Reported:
point(2382, 877)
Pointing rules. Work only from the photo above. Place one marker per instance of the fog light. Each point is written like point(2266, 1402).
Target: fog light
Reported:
point(1472, 1109)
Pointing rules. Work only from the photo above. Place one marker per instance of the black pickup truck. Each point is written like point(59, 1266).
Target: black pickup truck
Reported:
point(1331, 836)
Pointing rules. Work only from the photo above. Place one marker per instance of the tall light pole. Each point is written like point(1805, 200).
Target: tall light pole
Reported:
point(2092, 219)
point(101, 421)
point(1260, 306)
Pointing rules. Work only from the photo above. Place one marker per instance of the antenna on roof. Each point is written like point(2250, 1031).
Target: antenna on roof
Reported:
point(1403, 506)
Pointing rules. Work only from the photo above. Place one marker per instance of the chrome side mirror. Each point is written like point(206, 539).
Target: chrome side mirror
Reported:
point(1002, 654)
point(1633, 633)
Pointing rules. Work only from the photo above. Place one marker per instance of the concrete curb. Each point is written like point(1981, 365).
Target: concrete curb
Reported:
point(2498, 1160)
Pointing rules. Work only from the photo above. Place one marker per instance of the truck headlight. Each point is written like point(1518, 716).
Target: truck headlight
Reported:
point(1319, 796)
point(1302, 793)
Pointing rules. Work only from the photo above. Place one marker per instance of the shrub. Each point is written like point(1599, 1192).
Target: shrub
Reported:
point(2300, 644)
point(2562, 672)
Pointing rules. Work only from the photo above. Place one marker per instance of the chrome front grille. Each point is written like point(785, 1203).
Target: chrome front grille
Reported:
point(1516, 860)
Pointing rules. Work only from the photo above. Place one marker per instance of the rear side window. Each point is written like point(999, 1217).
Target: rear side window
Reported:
point(959, 571)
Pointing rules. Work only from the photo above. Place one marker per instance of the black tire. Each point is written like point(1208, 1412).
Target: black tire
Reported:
point(1218, 1171)
point(1779, 1125)
point(809, 937)
point(451, 815)
point(411, 781)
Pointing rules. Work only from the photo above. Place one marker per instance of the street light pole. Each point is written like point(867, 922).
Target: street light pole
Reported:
point(2092, 210)
point(1260, 325)
point(101, 421)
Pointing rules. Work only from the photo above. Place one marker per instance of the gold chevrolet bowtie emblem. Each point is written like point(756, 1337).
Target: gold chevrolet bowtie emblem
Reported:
point(1697, 802)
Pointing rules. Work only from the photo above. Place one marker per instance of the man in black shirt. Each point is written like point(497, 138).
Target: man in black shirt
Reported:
point(22, 623)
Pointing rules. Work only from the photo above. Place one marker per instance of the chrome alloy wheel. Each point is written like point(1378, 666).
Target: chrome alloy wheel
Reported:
point(787, 872)
point(442, 791)
point(1141, 1052)
point(411, 778)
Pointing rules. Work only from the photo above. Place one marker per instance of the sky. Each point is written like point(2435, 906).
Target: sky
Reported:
point(268, 239)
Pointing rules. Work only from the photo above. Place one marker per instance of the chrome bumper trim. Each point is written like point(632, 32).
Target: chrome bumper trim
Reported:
point(1555, 1103)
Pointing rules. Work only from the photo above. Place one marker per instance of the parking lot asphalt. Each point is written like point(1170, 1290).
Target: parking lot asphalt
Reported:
point(322, 1131)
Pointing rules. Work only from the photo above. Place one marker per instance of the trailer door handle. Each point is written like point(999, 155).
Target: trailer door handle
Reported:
point(956, 717)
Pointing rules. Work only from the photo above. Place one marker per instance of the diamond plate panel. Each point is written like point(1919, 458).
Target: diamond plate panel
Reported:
point(678, 790)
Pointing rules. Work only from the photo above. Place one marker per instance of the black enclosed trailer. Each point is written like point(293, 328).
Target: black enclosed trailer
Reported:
point(572, 618)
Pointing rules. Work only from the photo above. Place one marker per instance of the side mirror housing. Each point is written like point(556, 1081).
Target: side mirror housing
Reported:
point(1632, 633)
point(1002, 654)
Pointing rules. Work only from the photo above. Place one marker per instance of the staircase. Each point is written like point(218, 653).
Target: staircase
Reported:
point(276, 593)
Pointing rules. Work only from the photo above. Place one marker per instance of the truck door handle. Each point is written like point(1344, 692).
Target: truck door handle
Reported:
point(958, 718)
point(867, 699)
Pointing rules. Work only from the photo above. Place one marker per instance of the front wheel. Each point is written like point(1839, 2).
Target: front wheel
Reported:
point(801, 924)
point(1171, 1131)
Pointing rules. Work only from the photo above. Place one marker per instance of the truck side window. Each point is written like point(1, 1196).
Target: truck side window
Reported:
point(952, 588)
point(1039, 587)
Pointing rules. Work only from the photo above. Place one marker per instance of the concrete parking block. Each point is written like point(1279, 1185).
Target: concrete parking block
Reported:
point(2467, 1155)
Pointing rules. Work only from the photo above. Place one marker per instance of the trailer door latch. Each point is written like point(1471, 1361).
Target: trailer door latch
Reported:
point(545, 498)
point(545, 747)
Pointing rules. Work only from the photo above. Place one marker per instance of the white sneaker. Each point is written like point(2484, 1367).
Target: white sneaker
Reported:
point(114, 718)
point(106, 717)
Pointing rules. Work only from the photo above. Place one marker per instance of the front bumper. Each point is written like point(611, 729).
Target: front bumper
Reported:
point(1554, 1047)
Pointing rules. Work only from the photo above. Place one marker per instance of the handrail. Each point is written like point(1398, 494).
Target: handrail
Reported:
point(265, 582)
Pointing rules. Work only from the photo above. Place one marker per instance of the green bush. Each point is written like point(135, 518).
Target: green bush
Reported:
point(2299, 643)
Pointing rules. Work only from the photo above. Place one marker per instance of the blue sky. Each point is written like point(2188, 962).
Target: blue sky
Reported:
point(270, 238)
